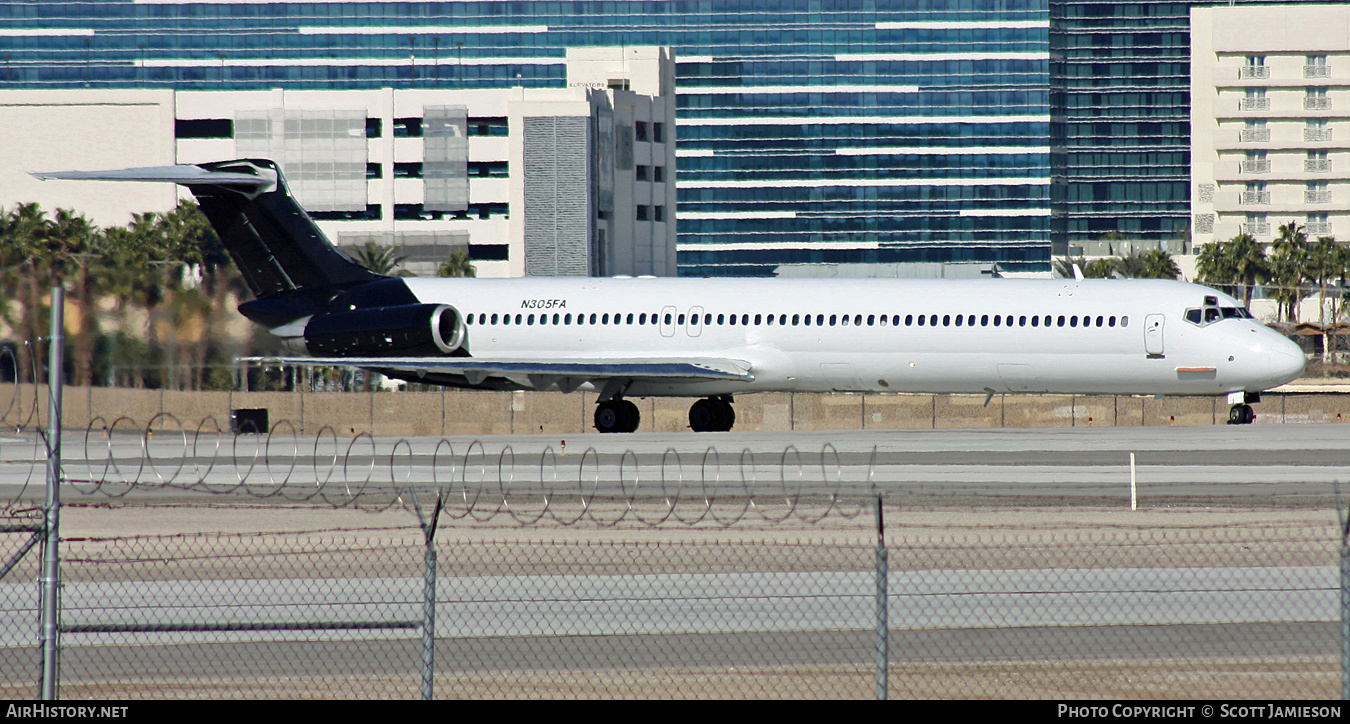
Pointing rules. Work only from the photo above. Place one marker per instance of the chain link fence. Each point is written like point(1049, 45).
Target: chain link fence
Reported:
point(1004, 608)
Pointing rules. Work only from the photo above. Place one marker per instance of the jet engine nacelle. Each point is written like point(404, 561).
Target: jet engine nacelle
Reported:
point(409, 330)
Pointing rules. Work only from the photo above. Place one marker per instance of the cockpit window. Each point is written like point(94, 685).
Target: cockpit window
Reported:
point(1209, 314)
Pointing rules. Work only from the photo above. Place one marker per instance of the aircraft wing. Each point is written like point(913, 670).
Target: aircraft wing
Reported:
point(566, 374)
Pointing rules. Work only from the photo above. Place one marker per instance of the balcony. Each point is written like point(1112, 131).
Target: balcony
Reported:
point(1317, 134)
point(1317, 103)
point(1318, 228)
point(1250, 72)
point(1254, 198)
point(1253, 165)
point(1257, 228)
point(1316, 71)
point(1255, 135)
point(1319, 196)
point(1317, 165)
point(1253, 104)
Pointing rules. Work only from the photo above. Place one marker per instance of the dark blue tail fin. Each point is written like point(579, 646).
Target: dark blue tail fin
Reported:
point(287, 262)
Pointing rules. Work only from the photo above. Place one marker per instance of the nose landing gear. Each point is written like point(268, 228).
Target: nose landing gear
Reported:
point(1241, 411)
point(1241, 415)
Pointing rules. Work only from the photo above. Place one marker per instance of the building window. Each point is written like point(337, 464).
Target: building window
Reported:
point(1256, 162)
point(1315, 99)
point(489, 169)
point(1318, 225)
point(371, 213)
point(1255, 193)
point(1256, 132)
point(1317, 130)
point(658, 213)
point(1255, 67)
point(407, 128)
point(658, 133)
point(204, 128)
point(1317, 193)
point(641, 213)
point(640, 129)
point(1317, 162)
point(640, 172)
point(1255, 100)
point(1257, 225)
point(1316, 67)
point(488, 126)
point(659, 174)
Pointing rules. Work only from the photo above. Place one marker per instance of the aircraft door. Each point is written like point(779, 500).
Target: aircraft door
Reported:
point(667, 321)
point(840, 376)
point(1153, 335)
point(695, 327)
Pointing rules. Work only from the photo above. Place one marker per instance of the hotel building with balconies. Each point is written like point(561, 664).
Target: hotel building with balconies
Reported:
point(1270, 120)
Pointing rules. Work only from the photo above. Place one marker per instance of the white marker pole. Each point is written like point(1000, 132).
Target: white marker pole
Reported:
point(1133, 497)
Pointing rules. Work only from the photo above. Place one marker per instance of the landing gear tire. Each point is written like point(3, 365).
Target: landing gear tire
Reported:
point(711, 415)
point(617, 416)
point(1241, 415)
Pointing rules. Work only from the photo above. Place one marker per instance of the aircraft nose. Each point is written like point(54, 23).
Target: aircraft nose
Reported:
point(1285, 362)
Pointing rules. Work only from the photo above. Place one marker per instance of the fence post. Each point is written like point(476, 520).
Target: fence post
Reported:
point(428, 593)
point(1345, 597)
point(51, 563)
point(429, 617)
point(883, 628)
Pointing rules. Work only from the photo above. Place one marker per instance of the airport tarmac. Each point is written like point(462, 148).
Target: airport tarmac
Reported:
point(1276, 465)
point(1015, 505)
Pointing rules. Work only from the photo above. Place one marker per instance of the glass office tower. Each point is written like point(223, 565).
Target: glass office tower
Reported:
point(808, 131)
point(1120, 104)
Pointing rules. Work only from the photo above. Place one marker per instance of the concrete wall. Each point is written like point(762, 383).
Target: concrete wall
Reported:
point(452, 412)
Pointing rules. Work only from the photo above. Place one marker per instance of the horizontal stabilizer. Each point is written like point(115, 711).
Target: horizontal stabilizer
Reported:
point(183, 174)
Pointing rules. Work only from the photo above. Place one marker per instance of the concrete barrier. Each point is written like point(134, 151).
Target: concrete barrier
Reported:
point(463, 412)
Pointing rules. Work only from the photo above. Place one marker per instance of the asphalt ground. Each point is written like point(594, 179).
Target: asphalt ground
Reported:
point(1281, 465)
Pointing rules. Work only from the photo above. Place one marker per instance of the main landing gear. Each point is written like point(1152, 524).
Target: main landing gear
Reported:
point(617, 415)
point(714, 414)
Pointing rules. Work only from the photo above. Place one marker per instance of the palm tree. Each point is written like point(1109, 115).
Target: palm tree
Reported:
point(74, 240)
point(1152, 264)
point(458, 264)
point(1327, 263)
point(1235, 266)
point(1249, 263)
point(1214, 266)
point(22, 245)
point(1095, 269)
point(1289, 268)
point(379, 259)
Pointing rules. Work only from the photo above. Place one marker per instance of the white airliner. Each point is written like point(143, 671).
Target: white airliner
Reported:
point(717, 338)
